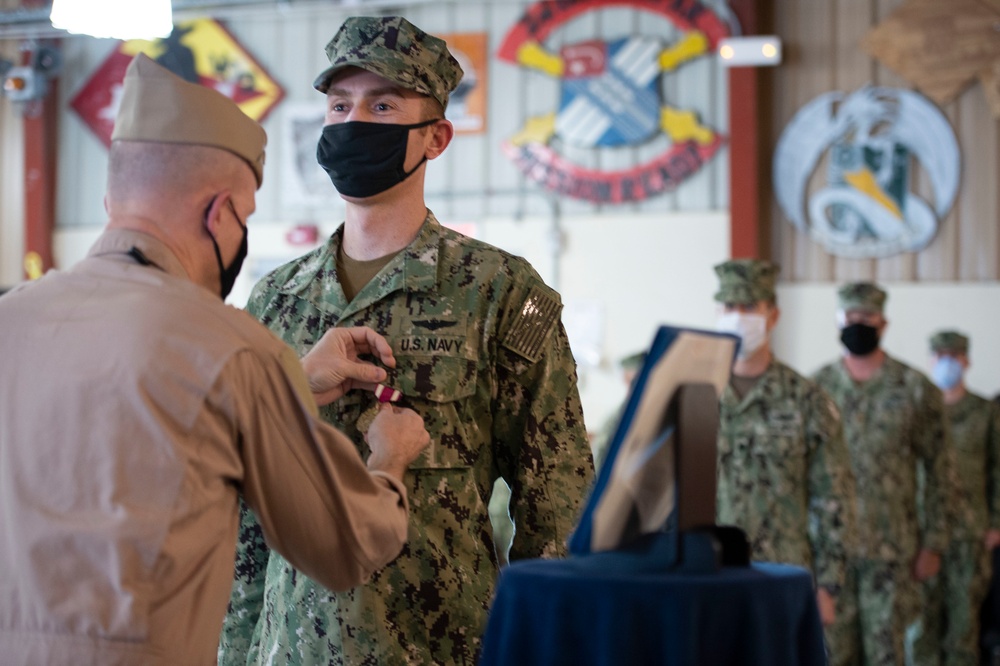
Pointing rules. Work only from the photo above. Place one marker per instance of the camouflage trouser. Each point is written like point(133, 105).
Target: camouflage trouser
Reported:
point(877, 602)
point(947, 632)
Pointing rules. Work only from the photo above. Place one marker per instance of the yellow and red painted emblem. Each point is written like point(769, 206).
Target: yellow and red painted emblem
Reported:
point(610, 98)
point(201, 51)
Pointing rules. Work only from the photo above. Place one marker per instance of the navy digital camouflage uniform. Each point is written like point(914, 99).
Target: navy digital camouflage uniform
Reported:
point(482, 356)
point(630, 366)
point(784, 474)
point(949, 629)
point(894, 425)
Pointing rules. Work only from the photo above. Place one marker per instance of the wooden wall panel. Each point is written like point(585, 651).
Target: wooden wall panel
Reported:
point(979, 241)
point(823, 53)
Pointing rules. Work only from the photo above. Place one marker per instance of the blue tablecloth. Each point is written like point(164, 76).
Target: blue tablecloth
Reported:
point(616, 608)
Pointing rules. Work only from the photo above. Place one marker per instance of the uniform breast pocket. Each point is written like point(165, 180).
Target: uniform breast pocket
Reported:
point(442, 389)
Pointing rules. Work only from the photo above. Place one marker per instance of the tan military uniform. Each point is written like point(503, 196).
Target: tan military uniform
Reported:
point(135, 407)
point(482, 356)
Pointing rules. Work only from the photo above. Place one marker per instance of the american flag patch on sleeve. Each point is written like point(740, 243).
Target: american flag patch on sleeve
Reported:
point(533, 322)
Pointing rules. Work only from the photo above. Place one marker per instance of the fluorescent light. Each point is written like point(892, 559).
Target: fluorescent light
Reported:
point(115, 19)
point(750, 51)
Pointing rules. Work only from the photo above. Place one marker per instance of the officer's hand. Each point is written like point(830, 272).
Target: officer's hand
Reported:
point(927, 564)
point(827, 606)
point(333, 367)
point(396, 437)
point(992, 539)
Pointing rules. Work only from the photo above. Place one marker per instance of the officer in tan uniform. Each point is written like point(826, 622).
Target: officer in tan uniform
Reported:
point(948, 631)
point(135, 407)
point(481, 355)
point(784, 475)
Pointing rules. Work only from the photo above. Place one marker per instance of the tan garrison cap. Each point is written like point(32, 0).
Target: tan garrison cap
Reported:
point(160, 107)
point(950, 341)
point(395, 49)
point(865, 296)
point(746, 281)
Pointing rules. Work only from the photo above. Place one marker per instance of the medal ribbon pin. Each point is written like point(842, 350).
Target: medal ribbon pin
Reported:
point(383, 393)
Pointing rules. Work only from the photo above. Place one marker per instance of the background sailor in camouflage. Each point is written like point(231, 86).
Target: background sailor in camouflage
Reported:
point(629, 366)
point(894, 424)
point(784, 475)
point(948, 632)
point(481, 354)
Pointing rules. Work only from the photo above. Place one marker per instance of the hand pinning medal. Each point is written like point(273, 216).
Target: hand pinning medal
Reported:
point(383, 393)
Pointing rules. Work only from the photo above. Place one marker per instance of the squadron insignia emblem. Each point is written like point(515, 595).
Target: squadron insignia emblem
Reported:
point(611, 97)
point(865, 208)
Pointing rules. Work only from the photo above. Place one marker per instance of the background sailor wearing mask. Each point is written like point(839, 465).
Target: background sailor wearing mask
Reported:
point(784, 474)
point(894, 424)
point(949, 628)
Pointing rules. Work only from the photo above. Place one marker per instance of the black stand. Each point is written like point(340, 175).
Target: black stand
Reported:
point(704, 546)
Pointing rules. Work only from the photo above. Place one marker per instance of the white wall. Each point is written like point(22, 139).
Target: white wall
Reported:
point(806, 337)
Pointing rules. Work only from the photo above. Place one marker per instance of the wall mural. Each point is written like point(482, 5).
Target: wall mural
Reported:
point(201, 51)
point(865, 208)
point(611, 97)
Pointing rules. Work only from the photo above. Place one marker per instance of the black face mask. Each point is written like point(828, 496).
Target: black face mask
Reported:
point(227, 274)
point(860, 339)
point(364, 159)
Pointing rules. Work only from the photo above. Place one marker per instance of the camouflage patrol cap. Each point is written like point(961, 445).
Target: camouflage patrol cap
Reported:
point(746, 281)
point(395, 49)
point(865, 296)
point(632, 361)
point(950, 341)
point(160, 107)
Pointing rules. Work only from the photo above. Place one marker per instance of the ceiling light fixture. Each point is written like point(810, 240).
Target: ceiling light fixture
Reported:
point(114, 19)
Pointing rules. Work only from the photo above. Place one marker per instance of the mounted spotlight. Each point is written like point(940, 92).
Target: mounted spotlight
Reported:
point(23, 84)
point(755, 51)
point(114, 19)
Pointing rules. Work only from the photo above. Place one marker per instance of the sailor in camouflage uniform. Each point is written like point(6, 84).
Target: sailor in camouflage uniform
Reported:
point(480, 353)
point(948, 632)
point(784, 475)
point(601, 440)
point(894, 424)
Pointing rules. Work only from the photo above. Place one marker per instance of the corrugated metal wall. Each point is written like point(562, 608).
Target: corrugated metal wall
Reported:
point(822, 53)
point(473, 180)
point(11, 181)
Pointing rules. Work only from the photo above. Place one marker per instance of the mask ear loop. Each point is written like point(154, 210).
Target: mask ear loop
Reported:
point(426, 123)
point(215, 243)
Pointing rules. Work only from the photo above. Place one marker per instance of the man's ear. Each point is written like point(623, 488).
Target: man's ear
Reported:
point(773, 316)
point(213, 213)
point(442, 133)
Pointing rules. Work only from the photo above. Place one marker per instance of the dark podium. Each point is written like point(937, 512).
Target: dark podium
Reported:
point(682, 594)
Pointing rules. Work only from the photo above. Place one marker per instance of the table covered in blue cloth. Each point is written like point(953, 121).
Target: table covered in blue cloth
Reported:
point(615, 608)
